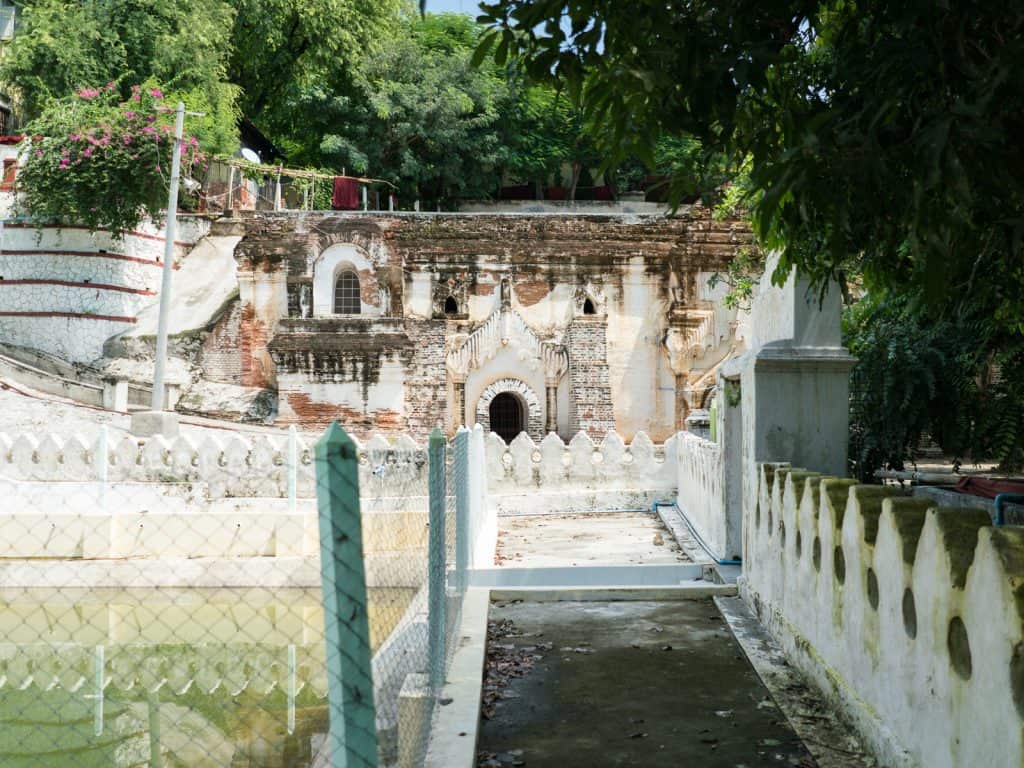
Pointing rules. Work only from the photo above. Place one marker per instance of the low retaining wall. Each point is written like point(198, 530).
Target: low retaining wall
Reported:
point(552, 477)
point(910, 617)
point(701, 494)
point(260, 465)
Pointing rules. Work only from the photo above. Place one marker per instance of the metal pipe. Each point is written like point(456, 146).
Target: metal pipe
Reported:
point(1002, 498)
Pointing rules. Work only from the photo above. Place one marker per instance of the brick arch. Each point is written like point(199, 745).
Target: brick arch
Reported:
point(522, 391)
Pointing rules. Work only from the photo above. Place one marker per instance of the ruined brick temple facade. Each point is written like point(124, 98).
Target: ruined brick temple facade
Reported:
point(543, 322)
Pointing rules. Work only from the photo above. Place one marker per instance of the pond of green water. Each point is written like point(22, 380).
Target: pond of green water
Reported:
point(203, 678)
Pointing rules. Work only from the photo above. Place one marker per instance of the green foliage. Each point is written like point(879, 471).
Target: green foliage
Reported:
point(63, 46)
point(882, 143)
point(101, 162)
point(741, 278)
point(882, 136)
point(282, 48)
point(417, 115)
point(957, 382)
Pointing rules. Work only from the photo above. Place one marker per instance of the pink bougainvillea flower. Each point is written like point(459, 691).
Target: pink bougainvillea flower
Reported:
point(129, 114)
point(127, 139)
point(87, 93)
point(156, 93)
point(64, 163)
point(158, 169)
point(87, 153)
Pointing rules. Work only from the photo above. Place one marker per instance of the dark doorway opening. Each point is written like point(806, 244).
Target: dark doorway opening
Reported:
point(589, 308)
point(451, 306)
point(507, 417)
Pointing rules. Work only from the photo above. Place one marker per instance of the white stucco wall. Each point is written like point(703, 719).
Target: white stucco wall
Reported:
point(909, 617)
point(328, 265)
point(643, 385)
point(66, 291)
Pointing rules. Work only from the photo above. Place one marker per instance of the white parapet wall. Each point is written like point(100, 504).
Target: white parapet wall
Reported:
point(526, 478)
point(701, 490)
point(908, 616)
point(229, 494)
point(580, 475)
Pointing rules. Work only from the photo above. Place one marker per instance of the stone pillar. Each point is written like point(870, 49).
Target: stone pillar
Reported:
point(682, 401)
point(115, 395)
point(551, 424)
point(678, 360)
point(556, 362)
point(794, 385)
point(459, 403)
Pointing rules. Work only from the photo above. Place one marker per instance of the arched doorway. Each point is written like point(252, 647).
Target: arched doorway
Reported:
point(506, 416)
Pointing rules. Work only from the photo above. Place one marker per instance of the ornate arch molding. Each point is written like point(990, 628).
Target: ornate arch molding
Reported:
point(496, 333)
point(524, 393)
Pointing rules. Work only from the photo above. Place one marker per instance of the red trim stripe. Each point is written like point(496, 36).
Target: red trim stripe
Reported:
point(94, 254)
point(143, 235)
point(76, 315)
point(100, 286)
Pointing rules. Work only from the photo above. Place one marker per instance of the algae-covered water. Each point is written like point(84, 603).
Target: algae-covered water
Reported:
point(204, 678)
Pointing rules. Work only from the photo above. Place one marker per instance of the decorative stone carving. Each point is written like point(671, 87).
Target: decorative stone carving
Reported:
point(497, 332)
point(596, 296)
point(522, 390)
point(454, 288)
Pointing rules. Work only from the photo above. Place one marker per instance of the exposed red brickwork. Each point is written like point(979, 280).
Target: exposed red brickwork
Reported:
point(257, 367)
point(221, 354)
point(426, 388)
point(590, 391)
point(530, 291)
point(312, 414)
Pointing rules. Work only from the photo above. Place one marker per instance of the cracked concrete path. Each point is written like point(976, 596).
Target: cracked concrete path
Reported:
point(628, 684)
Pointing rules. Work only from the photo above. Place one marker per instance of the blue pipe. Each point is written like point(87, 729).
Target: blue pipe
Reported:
point(1013, 498)
point(694, 533)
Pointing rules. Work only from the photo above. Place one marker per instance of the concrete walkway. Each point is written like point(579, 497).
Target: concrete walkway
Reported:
point(614, 538)
point(627, 684)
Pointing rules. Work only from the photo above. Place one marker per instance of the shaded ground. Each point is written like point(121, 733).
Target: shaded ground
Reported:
point(614, 538)
point(579, 685)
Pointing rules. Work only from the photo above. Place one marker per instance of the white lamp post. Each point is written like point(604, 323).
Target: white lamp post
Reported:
point(157, 420)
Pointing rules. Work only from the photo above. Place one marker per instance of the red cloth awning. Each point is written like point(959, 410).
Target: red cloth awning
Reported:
point(346, 194)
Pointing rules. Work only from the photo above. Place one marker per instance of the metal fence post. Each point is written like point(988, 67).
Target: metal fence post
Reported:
point(101, 460)
point(436, 562)
point(460, 448)
point(293, 468)
point(353, 733)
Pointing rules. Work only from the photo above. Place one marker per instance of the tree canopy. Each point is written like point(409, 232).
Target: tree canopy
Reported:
point(63, 46)
point(881, 142)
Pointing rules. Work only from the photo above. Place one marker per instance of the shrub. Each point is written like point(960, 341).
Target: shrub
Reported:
point(100, 162)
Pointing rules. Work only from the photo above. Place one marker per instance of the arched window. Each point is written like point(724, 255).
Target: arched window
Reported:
point(451, 306)
point(346, 293)
point(588, 307)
